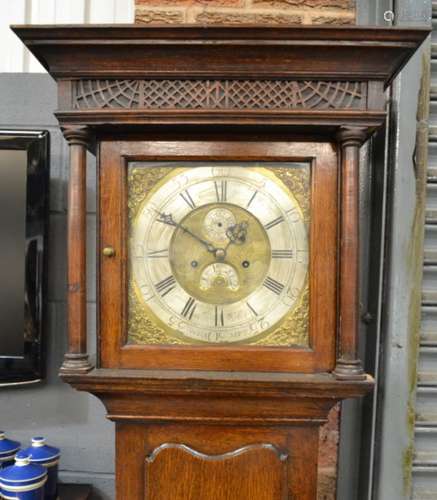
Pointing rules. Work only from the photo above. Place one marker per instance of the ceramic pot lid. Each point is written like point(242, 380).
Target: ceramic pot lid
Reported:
point(40, 452)
point(7, 446)
point(23, 472)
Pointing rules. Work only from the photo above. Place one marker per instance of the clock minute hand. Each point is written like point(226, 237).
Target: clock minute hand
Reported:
point(168, 219)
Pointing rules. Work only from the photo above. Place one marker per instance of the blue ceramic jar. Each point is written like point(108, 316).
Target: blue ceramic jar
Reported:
point(8, 449)
point(24, 480)
point(47, 456)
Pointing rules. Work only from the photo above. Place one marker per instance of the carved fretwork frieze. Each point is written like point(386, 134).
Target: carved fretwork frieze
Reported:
point(219, 94)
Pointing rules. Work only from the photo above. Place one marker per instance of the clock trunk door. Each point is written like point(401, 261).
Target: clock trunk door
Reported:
point(219, 261)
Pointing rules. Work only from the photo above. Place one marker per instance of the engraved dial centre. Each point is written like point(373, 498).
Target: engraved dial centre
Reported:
point(220, 277)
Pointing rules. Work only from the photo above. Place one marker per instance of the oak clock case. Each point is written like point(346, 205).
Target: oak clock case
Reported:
point(218, 253)
point(228, 242)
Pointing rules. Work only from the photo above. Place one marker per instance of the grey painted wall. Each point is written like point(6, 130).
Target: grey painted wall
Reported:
point(71, 420)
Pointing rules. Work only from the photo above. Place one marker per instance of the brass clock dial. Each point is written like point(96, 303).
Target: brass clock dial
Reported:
point(219, 254)
point(233, 261)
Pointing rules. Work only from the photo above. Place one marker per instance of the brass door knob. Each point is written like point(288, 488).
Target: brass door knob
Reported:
point(108, 252)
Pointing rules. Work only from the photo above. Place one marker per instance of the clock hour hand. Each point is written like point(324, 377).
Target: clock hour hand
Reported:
point(168, 219)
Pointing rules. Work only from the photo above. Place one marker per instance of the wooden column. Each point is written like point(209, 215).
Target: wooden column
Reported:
point(76, 359)
point(349, 366)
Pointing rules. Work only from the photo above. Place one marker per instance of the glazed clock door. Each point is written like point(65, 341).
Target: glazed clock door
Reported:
point(214, 263)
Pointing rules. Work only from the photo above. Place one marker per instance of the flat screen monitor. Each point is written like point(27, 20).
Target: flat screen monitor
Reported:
point(24, 182)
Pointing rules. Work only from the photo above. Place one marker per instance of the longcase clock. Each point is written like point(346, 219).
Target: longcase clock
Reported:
point(228, 305)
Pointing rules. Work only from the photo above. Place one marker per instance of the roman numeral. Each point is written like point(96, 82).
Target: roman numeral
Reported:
point(147, 292)
point(282, 254)
point(219, 317)
point(252, 309)
point(251, 199)
point(301, 256)
point(274, 223)
point(273, 285)
point(293, 214)
point(165, 286)
point(158, 254)
point(221, 190)
point(187, 198)
point(189, 308)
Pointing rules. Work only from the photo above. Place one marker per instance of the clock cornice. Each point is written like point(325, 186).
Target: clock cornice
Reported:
point(293, 77)
point(341, 52)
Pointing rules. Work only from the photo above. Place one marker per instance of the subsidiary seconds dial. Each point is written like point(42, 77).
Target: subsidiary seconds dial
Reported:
point(219, 254)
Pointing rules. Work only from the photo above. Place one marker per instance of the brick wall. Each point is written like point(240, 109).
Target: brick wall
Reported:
point(263, 12)
point(245, 11)
point(328, 456)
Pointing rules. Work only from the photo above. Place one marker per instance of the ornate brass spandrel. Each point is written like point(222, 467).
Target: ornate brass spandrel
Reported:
point(146, 329)
point(140, 182)
point(298, 181)
point(293, 331)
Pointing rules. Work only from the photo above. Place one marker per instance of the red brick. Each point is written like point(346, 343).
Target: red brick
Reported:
point(333, 20)
point(149, 16)
point(327, 484)
point(188, 3)
point(210, 17)
point(319, 4)
point(329, 436)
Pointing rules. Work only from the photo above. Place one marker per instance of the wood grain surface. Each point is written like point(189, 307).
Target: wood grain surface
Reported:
point(224, 459)
point(76, 359)
point(177, 472)
point(348, 363)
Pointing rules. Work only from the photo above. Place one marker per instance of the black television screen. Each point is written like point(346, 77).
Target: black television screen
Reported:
point(24, 178)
